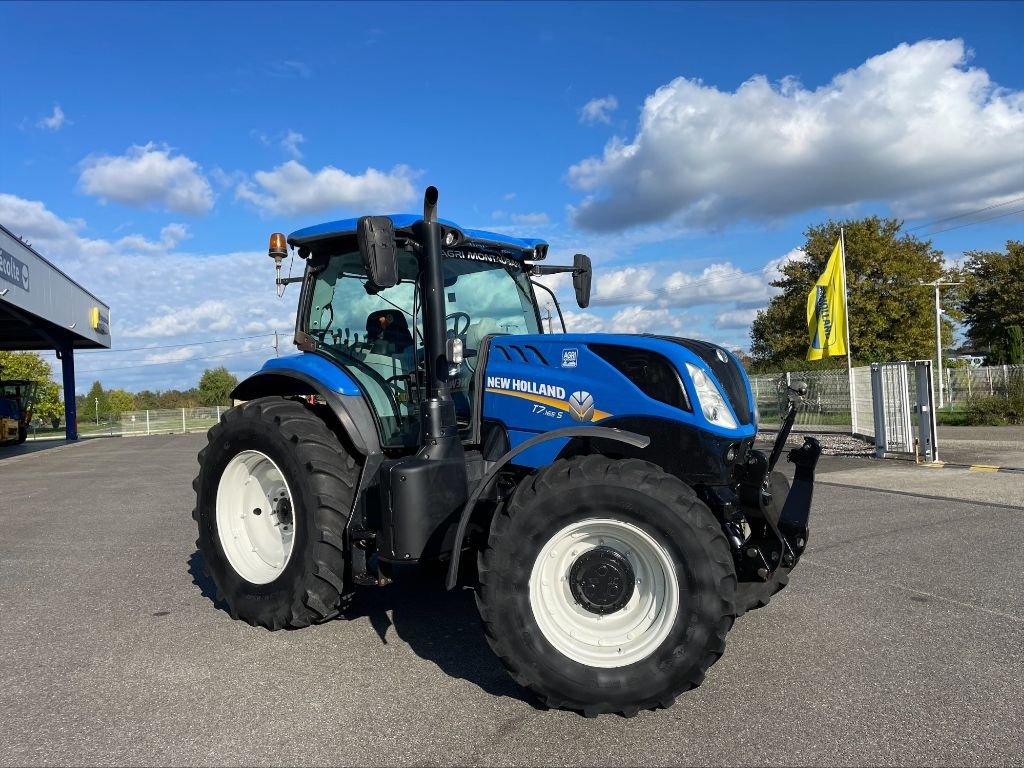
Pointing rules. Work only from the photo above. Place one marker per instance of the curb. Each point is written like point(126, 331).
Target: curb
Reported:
point(972, 467)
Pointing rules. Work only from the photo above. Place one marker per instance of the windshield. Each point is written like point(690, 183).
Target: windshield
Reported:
point(377, 335)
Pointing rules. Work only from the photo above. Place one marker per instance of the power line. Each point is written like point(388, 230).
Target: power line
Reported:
point(962, 215)
point(981, 221)
point(169, 362)
point(183, 344)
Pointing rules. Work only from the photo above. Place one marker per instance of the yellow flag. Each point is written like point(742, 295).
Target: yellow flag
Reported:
point(826, 310)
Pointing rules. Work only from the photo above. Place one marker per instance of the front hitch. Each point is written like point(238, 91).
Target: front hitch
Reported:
point(777, 513)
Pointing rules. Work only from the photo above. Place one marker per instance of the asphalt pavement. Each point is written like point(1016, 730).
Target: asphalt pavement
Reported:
point(897, 643)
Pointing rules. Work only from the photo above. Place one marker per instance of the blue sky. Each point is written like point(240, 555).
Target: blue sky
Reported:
point(149, 149)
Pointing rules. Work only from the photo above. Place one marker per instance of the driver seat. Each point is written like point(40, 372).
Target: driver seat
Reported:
point(394, 330)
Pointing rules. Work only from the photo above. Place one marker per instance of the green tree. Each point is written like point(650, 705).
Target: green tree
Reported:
point(120, 401)
point(147, 400)
point(95, 403)
point(31, 366)
point(215, 386)
point(1015, 345)
point(891, 315)
point(993, 298)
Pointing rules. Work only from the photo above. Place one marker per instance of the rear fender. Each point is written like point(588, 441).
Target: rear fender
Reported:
point(353, 414)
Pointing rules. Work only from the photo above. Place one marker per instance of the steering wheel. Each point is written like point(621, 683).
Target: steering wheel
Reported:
point(456, 316)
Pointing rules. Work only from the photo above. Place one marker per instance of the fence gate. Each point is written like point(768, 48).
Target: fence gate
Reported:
point(903, 409)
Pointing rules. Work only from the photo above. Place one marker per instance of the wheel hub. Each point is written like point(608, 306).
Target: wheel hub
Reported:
point(602, 580)
point(283, 509)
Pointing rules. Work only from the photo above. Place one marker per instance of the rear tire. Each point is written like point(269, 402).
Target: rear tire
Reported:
point(273, 497)
point(557, 595)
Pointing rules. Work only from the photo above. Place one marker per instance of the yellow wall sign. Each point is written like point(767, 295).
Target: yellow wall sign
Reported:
point(100, 321)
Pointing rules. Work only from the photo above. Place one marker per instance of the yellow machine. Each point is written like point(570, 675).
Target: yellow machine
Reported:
point(9, 423)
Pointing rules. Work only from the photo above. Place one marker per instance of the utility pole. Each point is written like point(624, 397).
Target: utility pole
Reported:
point(96, 400)
point(548, 307)
point(938, 329)
point(276, 353)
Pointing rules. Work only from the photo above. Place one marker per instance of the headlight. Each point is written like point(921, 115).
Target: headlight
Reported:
point(710, 399)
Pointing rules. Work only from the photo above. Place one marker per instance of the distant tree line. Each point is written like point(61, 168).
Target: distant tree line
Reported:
point(214, 389)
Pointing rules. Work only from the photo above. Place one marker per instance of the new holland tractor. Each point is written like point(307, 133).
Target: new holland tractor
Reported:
point(599, 492)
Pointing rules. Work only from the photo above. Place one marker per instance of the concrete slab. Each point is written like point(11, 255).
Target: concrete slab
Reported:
point(898, 642)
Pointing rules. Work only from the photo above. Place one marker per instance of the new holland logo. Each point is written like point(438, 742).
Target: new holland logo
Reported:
point(581, 406)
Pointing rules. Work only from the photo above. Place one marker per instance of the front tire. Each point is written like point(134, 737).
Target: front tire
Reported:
point(606, 586)
point(273, 496)
point(22, 434)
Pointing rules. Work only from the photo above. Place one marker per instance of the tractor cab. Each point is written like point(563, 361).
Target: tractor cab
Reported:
point(376, 334)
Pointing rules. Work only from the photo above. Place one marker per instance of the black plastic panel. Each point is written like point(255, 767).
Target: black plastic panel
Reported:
point(652, 373)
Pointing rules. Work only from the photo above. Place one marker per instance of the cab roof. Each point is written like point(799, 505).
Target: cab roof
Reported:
point(404, 221)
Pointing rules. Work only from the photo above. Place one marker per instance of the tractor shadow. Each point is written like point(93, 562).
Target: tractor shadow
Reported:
point(202, 580)
point(439, 626)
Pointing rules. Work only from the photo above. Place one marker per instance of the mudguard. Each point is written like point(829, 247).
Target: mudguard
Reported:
point(640, 441)
point(347, 404)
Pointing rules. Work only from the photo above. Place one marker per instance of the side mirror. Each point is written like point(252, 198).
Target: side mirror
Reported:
point(582, 276)
point(376, 238)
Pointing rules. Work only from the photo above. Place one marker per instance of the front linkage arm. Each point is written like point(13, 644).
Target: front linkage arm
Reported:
point(778, 512)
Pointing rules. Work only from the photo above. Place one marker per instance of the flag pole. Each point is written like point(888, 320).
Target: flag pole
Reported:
point(849, 341)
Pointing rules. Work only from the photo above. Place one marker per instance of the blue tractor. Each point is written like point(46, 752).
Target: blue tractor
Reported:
point(600, 492)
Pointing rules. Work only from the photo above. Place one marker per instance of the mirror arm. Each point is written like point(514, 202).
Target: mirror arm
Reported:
point(550, 269)
point(555, 299)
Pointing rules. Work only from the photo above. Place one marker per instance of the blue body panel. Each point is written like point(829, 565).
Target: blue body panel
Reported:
point(531, 379)
point(404, 220)
point(318, 368)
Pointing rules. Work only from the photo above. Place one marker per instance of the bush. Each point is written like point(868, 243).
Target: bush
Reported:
point(997, 411)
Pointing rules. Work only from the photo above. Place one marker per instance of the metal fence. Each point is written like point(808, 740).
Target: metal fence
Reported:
point(962, 384)
point(828, 393)
point(155, 422)
point(827, 402)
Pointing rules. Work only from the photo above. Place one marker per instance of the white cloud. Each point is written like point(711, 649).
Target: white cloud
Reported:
point(55, 121)
point(714, 284)
point(211, 315)
point(290, 143)
point(148, 175)
point(291, 188)
point(599, 110)
point(291, 69)
point(639, 319)
point(736, 319)
point(628, 284)
point(914, 127)
point(158, 295)
point(171, 355)
point(170, 236)
point(584, 322)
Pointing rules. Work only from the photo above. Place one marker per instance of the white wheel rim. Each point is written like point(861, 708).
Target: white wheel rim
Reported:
point(256, 532)
point(617, 639)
